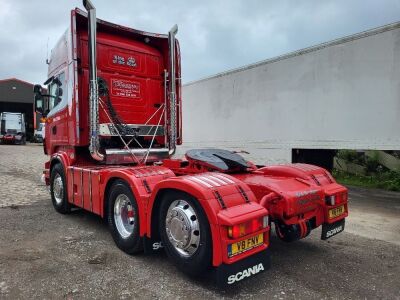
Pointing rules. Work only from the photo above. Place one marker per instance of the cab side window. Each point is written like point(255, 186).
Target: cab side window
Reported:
point(57, 92)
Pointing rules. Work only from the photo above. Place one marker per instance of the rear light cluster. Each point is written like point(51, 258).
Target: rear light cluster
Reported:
point(239, 230)
point(334, 199)
point(330, 200)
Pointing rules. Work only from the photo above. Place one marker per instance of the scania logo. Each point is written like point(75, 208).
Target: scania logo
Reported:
point(307, 197)
point(245, 273)
point(157, 245)
point(334, 231)
point(306, 193)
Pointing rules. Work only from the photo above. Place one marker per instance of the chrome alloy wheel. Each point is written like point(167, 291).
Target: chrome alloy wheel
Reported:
point(124, 215)
point(58, 189)
point(183, 228)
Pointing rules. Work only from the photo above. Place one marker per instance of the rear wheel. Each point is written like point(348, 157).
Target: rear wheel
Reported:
point(58, 189)
point(185, 232)
point(123, 218)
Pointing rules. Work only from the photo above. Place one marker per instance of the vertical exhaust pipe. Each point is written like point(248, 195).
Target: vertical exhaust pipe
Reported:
point(94, 143)
point(172, 88)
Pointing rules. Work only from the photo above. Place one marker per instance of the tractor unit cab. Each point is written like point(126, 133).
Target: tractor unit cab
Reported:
point(113, 90)
point(113, 120)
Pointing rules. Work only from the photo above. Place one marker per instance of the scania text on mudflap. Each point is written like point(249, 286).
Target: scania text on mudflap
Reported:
point(113, 121)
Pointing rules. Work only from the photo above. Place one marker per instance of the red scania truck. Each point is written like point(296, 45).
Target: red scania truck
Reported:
point(113, 121)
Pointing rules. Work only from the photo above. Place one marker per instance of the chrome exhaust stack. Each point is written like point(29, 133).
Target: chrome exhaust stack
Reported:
point(94, 128)
point(172, 89)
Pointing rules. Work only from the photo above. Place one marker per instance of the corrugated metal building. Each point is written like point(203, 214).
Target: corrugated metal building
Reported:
point(17, 96)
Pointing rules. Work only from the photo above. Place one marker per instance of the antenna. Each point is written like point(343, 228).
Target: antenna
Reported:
point(47, 51)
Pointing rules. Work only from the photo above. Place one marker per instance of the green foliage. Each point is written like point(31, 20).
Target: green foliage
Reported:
point(351, 156)
point(387, 180)
point(372, 163)
point(377, 176)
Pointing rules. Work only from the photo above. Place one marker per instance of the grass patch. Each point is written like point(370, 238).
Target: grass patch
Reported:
point(386, 180)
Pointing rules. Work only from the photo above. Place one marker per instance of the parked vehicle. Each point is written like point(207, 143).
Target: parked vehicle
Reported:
point(113, 123)
point(12, 128)
point(39, 133)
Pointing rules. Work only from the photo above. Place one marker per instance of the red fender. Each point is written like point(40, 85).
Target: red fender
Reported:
point(64, 157)
point(202, 188)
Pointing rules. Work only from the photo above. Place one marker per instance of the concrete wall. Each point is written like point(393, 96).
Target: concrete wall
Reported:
point(344, 94)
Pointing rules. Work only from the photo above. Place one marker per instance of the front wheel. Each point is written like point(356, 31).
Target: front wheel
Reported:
point(58, 190)
point(185, 232)
point(123, 218)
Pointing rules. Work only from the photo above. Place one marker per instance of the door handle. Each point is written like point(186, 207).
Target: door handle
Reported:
point(54, 129)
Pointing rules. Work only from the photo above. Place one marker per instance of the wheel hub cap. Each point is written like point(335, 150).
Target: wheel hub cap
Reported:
point(58, 189)
point(182, 227)
point(124, 216)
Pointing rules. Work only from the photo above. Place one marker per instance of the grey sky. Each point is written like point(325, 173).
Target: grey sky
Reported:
point(214, 35)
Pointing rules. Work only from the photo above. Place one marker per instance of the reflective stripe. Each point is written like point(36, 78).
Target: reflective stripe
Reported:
point(208, 179)
point(217, 179)
point(199, 181)
point(222, 177)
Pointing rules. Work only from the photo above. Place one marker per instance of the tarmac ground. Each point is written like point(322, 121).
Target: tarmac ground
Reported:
point(50, 256)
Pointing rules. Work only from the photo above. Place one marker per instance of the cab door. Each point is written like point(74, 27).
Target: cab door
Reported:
point(57, 119)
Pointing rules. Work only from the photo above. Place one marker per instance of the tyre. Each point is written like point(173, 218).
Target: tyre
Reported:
point(123, 218)
point(58, 189)
point(185, 233)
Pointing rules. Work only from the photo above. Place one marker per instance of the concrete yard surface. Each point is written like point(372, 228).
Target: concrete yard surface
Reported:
point(47, 255)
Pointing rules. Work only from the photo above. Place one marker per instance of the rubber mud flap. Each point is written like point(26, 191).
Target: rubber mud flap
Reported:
point(227, 275)
point(329, 230)
point(152, 246)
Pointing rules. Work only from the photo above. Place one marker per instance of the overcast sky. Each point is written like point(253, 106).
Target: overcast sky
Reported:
point(215, 35)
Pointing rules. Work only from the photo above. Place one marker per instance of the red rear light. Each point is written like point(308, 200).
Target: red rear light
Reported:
point(235, 231)
point(256, 225)
point(239, 230)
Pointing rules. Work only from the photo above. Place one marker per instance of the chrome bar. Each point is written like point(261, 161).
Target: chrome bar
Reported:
point(138, 152)
point(165, 105)
point(172, 88)
point(94, 144)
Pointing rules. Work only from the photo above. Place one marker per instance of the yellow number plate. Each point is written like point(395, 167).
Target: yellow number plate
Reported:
point(335, 212)
point(245, 245)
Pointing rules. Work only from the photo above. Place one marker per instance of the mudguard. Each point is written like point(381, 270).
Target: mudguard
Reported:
point(217, 193)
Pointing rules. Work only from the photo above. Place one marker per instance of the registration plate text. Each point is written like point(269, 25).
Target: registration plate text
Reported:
point(245, 245)
point(335, 212)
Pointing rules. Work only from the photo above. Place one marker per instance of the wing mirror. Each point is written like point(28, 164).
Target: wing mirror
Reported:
point(41, 102)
